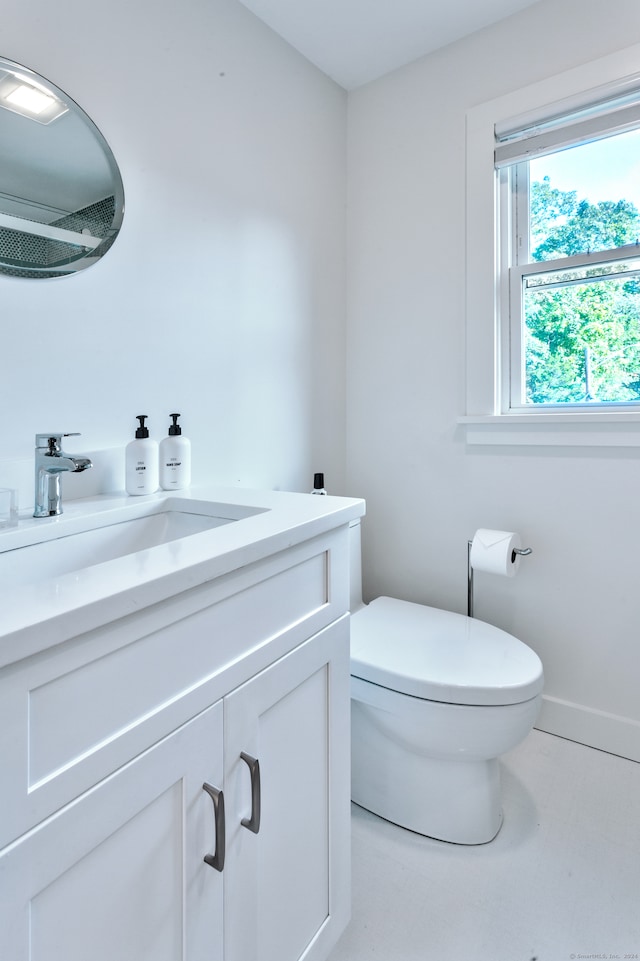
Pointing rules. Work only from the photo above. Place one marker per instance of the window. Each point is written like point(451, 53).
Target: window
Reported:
point(553, 260)
point(570, 273)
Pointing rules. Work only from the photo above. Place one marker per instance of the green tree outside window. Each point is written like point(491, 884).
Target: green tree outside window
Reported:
point(582, 336)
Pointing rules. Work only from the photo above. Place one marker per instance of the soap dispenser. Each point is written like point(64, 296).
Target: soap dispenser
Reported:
point(175, 458)
point(141, 461)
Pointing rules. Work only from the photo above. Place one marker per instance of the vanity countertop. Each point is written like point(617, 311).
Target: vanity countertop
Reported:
point(38, 615)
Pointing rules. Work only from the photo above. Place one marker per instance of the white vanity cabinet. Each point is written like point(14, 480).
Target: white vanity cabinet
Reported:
point(118, 872)
point(116, 743)
point(287, 888)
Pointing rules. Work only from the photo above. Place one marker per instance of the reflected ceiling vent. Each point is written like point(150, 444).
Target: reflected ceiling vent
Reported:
point(25, 96)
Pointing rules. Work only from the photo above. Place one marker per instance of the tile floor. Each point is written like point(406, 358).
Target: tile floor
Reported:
point(561, 881)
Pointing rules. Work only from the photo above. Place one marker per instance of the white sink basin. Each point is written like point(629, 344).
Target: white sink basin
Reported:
point(47, 548)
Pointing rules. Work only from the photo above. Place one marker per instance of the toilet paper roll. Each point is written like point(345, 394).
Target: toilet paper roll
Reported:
point(492, 551)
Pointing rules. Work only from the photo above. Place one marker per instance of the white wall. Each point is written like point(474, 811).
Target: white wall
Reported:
point(223, 297)
point(576, 600)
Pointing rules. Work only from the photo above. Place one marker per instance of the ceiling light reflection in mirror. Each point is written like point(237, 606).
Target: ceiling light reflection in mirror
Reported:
point(61, 193)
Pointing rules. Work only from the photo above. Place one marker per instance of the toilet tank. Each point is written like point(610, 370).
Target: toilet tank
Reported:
point(355, 567)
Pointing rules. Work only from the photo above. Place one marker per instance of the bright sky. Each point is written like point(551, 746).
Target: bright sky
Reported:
point(608, 169)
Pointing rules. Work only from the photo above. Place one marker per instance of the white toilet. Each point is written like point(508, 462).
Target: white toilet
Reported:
point(436, 697)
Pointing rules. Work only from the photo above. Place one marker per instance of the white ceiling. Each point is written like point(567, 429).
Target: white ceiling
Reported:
point(355, 41)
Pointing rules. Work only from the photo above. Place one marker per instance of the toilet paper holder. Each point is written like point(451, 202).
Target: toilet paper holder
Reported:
point(522, 551)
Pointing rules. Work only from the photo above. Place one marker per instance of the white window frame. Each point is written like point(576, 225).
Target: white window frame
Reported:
point(489, 419)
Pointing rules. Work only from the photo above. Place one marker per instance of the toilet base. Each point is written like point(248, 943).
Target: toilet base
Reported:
point(449, 800)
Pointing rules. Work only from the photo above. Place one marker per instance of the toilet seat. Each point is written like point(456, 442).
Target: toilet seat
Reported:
point(441, 656)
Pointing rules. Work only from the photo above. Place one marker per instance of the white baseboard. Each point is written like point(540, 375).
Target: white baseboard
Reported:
point(606, 732)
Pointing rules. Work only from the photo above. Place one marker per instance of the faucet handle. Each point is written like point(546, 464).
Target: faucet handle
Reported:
point(53, 441)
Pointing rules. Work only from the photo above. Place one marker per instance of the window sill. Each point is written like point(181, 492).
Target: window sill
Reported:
point(594, 429)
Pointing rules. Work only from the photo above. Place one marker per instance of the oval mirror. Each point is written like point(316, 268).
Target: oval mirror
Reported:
point(61, 194)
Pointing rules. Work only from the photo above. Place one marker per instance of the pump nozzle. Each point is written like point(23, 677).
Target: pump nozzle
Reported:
point(142, 431)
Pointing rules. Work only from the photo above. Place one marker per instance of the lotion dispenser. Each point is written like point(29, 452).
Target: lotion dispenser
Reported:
point(141, 461)
point(175, 458)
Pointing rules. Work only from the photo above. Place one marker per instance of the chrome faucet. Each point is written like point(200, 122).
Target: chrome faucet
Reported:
point(51, 462)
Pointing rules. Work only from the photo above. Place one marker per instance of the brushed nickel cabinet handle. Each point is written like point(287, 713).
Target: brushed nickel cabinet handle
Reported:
point(216, 860)
point(253, 823)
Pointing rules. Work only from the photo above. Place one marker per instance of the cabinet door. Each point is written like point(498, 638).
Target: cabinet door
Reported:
point(287, 887)
point(118, 874)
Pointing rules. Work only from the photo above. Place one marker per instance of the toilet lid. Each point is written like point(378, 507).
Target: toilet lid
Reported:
point(441, 656)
